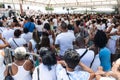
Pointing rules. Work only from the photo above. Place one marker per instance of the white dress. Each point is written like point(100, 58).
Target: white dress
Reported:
point(112, 42)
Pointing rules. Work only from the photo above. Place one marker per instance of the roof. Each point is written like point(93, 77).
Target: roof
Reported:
point(64, 3)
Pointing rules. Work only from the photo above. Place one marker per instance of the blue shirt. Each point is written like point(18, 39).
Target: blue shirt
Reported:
point(105, 58)
point(30, 26)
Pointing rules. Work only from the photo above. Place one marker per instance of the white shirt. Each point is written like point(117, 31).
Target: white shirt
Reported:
point(96, 63)
point(39, 27)
point(87, 58)
point(8, 33)
point(27, 36)
point(19, 42)
point(75, 75)
point(65, 41)
point(55, 22)
point(107, 78)
point(2, 67)
point(2, 29)
point(44, 73)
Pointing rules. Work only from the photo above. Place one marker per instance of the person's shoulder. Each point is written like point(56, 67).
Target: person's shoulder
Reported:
point(83, 74)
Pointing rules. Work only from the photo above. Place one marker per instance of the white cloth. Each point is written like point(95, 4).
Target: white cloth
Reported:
point(75, 75)
point(96, 63)
point(107, 78)
point(33, 44)
point(55, 22)
point(51, 39)
point(87, 58)
point(65, 41)
point(111, 44)
point(39, 27)
point(27, 36)
point(44, 73)
point(2, 29)
point(8, 33)
point(19, 41)
point(2, 67)
point(22, 74)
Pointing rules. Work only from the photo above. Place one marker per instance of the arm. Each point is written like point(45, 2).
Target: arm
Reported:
point(5, 42)
point(84, 67)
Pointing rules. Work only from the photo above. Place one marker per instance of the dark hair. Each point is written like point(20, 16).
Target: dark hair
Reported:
point(1, 24)
point(48, 58)
point(45, 42)
point(47, 26)
point(100, 39)
point(17, 33)
point(25, 30)
point(63, 25)
point(77, 23)
point(39, 22)
point(72, 58)
point(36, 38)
point(70, 27)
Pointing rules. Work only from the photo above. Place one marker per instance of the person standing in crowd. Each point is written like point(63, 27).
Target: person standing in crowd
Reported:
point(65, 39)
point(46, 67)
point(32, 45)
point(51, 34)
point(16, 41)
point(72, 59)
point(20, 69)
point(29, 24)
point(26, 35)
point(100, 41)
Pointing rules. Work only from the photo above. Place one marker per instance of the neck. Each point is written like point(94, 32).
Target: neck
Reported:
point(70, 69)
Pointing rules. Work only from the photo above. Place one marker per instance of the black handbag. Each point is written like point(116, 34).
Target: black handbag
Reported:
point(9, 72)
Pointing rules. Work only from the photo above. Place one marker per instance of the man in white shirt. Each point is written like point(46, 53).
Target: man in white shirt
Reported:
point(65, 39)
point(72, 58)
point(89, 59)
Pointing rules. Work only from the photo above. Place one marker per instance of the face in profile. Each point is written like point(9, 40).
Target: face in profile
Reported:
point(116, 66)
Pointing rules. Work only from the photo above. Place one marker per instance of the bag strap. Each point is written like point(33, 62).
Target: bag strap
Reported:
point(92, 61)
point(38, 73)
point(67, 74)
point(15, 43)
point(9, 72)
point(84, 53)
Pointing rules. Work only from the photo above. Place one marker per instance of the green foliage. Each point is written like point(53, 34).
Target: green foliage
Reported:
point(49, 8)
point(1, 5)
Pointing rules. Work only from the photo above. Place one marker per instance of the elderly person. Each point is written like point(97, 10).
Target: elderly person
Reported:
point(21, 68)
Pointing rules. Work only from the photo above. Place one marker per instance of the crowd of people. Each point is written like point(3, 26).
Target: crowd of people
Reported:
point(61, 47)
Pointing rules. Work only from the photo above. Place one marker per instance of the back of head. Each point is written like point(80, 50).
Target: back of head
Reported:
point(48, 57)
point(100, 39)
point(47, 26)
point(20, 53)
point(71, 58)
point(63, 25)
point(17, 33)
point(25, 30)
